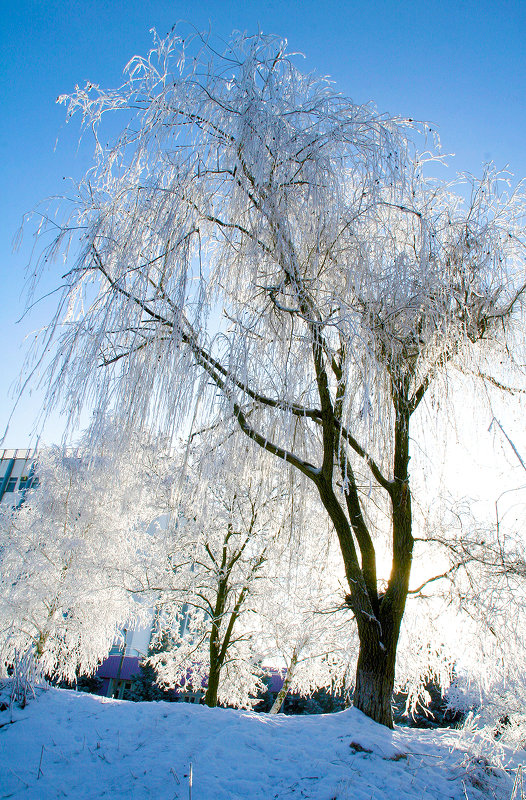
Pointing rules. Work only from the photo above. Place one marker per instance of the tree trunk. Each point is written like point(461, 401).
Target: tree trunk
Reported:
point(375, 674)
point(213, 686)
point(280, 697)
point(375, 671)
point(215, 665)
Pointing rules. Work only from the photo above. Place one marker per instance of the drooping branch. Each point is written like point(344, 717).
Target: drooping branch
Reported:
point(212, 366)
point(189, 337)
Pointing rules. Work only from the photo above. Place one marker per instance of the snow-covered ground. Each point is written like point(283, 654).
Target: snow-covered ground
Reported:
point(69, 744)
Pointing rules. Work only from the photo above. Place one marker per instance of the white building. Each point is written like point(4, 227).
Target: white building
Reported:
point(17, 475)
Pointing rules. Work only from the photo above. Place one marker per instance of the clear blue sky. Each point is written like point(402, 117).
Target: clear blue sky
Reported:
point(459, 65)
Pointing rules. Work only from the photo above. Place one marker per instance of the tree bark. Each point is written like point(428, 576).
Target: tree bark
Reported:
point(375, 675)
point(216, 661)
point(213, 685)
point(280, 698)
point(375, 672)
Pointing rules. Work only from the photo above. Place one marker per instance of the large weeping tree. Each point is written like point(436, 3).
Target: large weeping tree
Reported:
point(255, 247)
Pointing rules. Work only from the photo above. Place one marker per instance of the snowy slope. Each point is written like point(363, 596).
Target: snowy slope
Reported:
point(91, 747)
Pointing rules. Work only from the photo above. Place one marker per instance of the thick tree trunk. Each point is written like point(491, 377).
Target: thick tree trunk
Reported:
point(375, 674)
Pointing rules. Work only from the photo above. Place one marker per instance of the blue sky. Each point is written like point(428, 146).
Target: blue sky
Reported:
point(458, 65)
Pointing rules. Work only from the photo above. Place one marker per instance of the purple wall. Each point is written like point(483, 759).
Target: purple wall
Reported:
point(110, 667)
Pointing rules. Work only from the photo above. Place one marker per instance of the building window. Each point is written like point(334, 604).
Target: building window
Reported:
point(11, 485)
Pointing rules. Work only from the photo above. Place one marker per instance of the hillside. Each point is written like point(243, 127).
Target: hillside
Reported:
point(69, 744)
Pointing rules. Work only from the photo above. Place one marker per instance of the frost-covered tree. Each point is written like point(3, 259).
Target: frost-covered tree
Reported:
point(75, 552)
point(221, 535)
point(255, 246)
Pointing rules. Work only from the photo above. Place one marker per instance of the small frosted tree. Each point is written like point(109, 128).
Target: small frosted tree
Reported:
point(75, 553)
point(255, 246)
point(223, 530)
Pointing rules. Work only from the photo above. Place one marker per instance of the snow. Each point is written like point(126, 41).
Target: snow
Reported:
point(70, 744)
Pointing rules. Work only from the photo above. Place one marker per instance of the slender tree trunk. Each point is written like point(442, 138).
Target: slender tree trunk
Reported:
point(214, 671)
point(280, 698)
point(218, 647)
point(41, 644)
point(213, 686)
point(119, 670)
